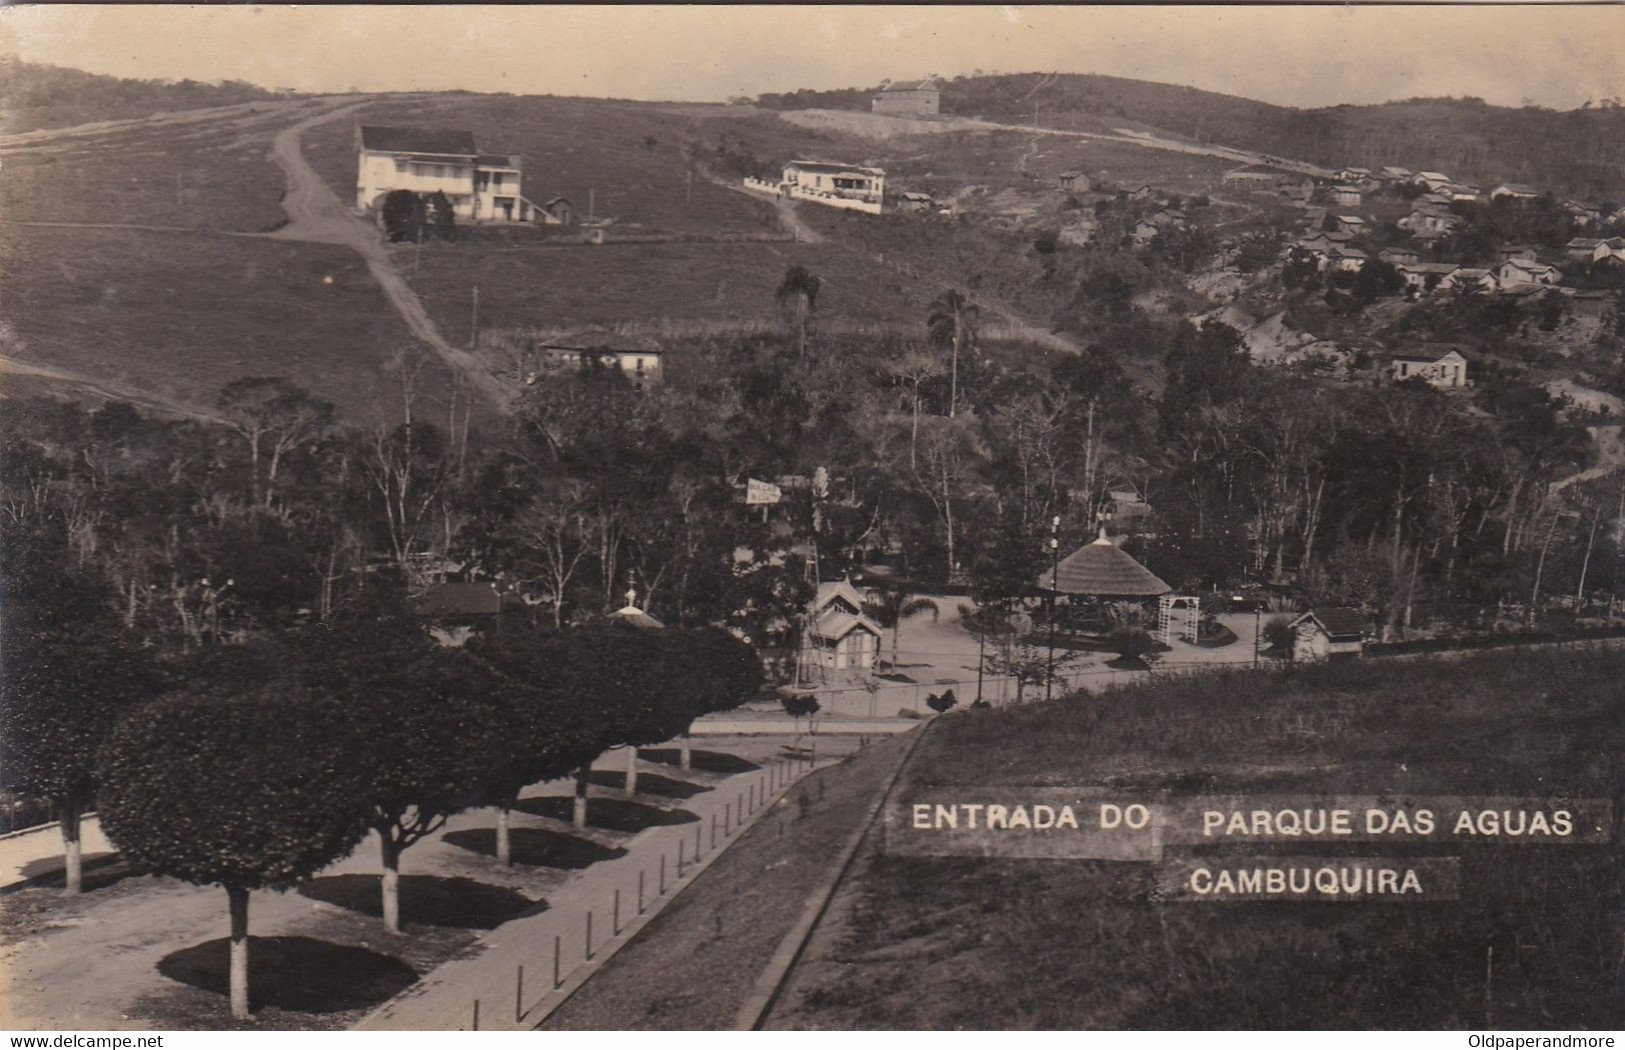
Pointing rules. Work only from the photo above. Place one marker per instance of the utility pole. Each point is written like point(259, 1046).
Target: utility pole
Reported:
point(1258, 632)
point(1054, 590)
point(474, 320)
point(591, 201)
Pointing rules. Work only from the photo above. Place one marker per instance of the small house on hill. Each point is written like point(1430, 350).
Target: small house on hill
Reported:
point(1447, 370)
point(557, 212)
point(908, 98)
point(841, 636)
point(1074, 181)
point(1328, 634)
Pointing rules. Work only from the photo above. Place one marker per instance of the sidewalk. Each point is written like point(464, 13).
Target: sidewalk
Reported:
point(529, 965)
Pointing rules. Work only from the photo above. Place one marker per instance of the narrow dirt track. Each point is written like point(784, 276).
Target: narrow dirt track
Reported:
point(11, 366)
point(315, 214)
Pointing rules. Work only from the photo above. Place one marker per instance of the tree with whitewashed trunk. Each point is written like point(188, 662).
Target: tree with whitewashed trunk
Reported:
point(428, 723)
point(69, 675)
point(245, 787)
point(545, 733)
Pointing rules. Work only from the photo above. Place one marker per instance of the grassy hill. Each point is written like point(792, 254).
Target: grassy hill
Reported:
point(1578, 152)
point(1001, 943)
point(40, 96)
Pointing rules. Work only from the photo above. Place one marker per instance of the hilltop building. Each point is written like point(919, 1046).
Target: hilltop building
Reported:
point(481, 187)
point(908, 98)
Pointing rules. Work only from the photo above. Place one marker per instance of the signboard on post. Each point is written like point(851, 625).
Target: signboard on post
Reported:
point(761, 493)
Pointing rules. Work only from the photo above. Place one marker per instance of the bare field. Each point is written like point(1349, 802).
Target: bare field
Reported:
point(180, 314)
point(216, 175)
point(648, 282)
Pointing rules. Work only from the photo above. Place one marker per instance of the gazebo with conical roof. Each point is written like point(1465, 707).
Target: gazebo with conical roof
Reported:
point(1102, 570)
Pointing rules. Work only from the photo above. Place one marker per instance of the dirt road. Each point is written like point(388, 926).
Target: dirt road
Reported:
point(316, 214)
point(11, 366)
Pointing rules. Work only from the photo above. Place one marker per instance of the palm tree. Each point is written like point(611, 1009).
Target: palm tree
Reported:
point(895, 603)
point(798, 298)
point(952, 323)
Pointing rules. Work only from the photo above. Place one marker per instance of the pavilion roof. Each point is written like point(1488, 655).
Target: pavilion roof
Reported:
point(1102, 568)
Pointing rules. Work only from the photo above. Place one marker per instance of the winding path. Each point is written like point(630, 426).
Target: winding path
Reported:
point(315, 214)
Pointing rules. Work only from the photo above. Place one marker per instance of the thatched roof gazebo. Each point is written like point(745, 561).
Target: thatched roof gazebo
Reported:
point(1103, 570)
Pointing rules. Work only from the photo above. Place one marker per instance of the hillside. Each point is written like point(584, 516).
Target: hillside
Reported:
point(1579, 152)
point(34, 96)
point(944, 942)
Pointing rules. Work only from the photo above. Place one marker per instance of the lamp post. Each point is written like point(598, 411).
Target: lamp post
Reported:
point(1054, 589)
point(1258, 632)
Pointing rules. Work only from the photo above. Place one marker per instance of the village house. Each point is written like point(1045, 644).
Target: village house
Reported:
point(840, 637)
point(1429, 219)
point(1352, 174)
point(1421, 278)
point(1433, 180)
point(1508, 252)
point(911, 202)
point(1609, 248)
point(849, 186)
point(1437, 200)
point(1301, 190)
point(1351, 224)
point(1345, 196)
point(1399, 256)
point(481, 187)
point(1459, 194)
point(557, 212)
point(1516, 273)
point(908, 98)
point(1328, 634)
point(1074, 181)
point(1514, 191)
point(1583, 213)
point(1391, 173)
point(1446, 370)
point(641, 365)
point(1582, 247)
point(1344, 259)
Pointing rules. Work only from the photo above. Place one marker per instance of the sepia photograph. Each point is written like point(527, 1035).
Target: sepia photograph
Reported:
point(818, 519)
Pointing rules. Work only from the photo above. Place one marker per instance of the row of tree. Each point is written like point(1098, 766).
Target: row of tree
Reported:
point(267, 761)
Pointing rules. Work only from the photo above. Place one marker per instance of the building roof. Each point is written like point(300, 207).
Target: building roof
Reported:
point(497, 160)
point(459, 599)
point(1102, 568)
point(1432, 175)
point(443, 142)
point(1431, 355)
point(916, 84)
point(1519, 188)
point(843, 589)
point(1427, 267)
point(1337, 623)
point(830, 166)
point(1587, 243)
point(835, 625)
point(632, 616)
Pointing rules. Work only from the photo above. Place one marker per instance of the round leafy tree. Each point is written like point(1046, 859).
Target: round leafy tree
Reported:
point(64, 687)
point(252, 789)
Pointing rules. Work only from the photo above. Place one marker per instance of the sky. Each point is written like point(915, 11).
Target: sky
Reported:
point(1549, 54)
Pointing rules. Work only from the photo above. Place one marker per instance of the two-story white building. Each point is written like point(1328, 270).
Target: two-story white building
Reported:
point(481, 187)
